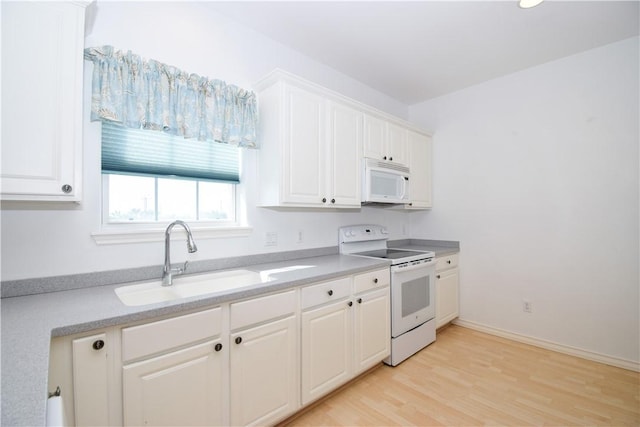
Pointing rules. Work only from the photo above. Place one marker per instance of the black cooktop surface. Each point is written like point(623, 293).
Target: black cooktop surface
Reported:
point(389, 253)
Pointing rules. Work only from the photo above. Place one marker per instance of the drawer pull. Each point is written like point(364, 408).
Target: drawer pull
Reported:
point(375, 280)
point(324, 200)
point(238, 340)
point(350, 303)
point(330, 292)
point(98, 344)
point(218, 347)
point(448, 261)
point(359, 300)
point(438, 276)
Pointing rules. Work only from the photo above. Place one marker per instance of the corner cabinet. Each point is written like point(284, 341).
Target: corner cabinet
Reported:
point(310, 146)
point(447, 289)
point(42, 60)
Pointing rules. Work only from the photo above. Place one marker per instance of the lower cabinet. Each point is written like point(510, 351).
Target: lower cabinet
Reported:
point(264, 373)
point(345, 330)
point(447, 286)
point(179, 388)
point(250, 362)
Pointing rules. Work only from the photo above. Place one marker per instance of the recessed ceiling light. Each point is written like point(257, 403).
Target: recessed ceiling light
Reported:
point(527, 4)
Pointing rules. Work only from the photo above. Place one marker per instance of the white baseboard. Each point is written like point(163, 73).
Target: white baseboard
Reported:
point(560, 348)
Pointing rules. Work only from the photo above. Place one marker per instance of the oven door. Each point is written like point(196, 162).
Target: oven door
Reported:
point(412, 296)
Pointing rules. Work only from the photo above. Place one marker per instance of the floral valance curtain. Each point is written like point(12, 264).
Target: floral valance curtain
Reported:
point(146, 94)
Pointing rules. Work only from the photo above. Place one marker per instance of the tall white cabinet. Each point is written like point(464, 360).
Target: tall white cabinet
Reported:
point(42, 60)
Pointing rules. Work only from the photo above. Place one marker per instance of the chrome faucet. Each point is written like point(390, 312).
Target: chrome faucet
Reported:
point(167, 271)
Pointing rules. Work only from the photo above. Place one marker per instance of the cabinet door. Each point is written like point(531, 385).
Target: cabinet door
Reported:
point(304, 171)
point(264, 373)
point(375, 137)
point(91, 380)
point(182, 388)
point(420, 166)
point(326, 349)
point(42, 46)
point(372, 328)
point(446, 296)
point(397, 145)
point(344, 155)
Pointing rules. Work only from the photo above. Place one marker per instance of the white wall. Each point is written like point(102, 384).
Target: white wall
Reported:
point(536, 174)
point(49, 241)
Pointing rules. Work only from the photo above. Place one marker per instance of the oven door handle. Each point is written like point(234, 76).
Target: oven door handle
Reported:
point(398, 269)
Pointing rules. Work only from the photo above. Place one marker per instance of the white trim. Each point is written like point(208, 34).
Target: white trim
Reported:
point(549, 345)
point(119, 235)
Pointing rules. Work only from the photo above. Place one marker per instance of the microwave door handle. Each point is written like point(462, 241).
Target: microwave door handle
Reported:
point(405, 179)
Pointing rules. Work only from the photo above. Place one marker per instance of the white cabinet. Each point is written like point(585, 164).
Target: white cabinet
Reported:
point(420, 153)
point(42, 58)
point(310, 146)
point(372, 329)
point(326, 330)
point(264, 373)
point(385, 140)
point(345, 329)
point(170, 376)
point(447, 285)
point(372, 324)
point(178, 388)
point(83, 367)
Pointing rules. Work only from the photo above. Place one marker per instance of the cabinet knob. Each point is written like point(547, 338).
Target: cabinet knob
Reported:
point(375, 280)
point(218, 347)
point(333, 200)
point(384, 158)
point(438, 276)
point(238, 340)
point(390, 158)
point(448, 261)
point(66, 189)
point(359, 300)
point(330, 292)
point(324, 200)
point(98, 344)
point(350, 303)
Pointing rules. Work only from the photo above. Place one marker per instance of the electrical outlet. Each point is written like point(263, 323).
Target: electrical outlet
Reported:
point(300, 237)
point(271, 238)
point(527, 306)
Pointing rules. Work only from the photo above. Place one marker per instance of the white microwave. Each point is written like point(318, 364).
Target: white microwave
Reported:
point(384, 182)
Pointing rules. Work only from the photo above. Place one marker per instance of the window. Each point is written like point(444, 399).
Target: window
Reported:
point(150, 177)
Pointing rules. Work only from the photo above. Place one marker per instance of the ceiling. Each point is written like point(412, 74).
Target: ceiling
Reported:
point(416, 50)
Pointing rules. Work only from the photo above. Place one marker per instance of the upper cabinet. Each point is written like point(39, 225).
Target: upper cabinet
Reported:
point(313, 140)
point(310, 146)
point(420, 147)
point(385, 140)
point(42, 59)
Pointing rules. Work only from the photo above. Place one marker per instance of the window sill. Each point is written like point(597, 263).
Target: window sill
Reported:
point(114, 235)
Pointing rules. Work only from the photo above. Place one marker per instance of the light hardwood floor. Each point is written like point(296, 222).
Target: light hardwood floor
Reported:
point(470, 378)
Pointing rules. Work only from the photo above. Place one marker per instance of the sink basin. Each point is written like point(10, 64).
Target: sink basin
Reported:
point(196, 284)
point(188, 286)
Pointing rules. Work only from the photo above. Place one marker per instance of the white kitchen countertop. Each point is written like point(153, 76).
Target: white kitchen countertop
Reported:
point(29, 322)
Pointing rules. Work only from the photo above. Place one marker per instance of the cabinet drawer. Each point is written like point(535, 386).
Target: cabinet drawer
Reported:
point(261, 309)
point(325, 292)
point(448, 261)
point(155, 337)
point(374, 279)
